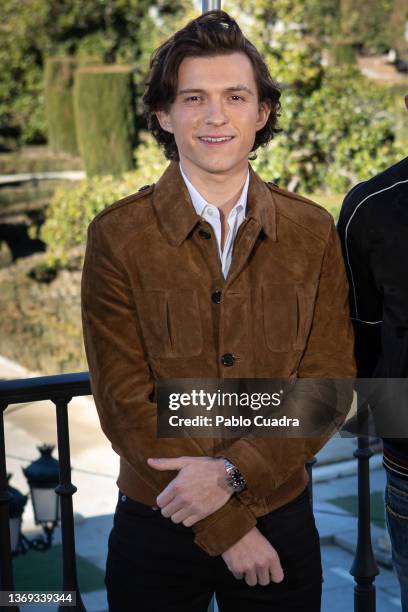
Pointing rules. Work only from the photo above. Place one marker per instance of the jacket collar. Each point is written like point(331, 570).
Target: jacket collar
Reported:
point(176, 213)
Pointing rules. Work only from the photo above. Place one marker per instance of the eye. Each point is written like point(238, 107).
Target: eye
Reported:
point(236, 96)
point(191, 98)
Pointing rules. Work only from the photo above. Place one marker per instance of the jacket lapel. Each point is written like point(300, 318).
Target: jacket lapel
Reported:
point(260, 216)
point(177, 217)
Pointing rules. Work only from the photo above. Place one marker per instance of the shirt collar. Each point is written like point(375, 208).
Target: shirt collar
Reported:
point(199, 202)
point(177, 216)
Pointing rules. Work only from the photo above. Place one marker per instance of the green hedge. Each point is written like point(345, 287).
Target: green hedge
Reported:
point(105, 119)
point(73, 207)
point(40, 327)
point(59, 108)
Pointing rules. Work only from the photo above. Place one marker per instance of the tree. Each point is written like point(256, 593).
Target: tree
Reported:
point(33, 29)
point(336, 129)
point(366, 23)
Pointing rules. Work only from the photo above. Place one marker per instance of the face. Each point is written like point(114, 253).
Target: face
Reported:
point(216, 97)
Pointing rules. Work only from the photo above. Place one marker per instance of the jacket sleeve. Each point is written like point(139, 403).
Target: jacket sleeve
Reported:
point(267, 463)
point(366, 300)
point(123, 386)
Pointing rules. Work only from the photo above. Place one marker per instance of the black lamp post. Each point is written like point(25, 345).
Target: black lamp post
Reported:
point(42, 477)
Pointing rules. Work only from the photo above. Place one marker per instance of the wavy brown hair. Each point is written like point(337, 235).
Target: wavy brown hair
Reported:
point(213, 33)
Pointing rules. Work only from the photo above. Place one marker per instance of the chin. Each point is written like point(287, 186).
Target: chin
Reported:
point(214, 164)
point(219, 168)
point(221, 164)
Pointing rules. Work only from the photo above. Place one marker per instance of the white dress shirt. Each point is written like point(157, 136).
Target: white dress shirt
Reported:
point(211, 214)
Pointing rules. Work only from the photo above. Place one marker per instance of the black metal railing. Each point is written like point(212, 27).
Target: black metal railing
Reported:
point(60, 390)
point(364, 568)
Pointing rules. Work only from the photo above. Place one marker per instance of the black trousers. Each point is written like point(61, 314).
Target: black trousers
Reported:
point(153, 564)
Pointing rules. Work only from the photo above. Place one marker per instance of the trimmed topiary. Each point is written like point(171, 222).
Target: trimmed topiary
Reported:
point(59, 109)
point(104, 104)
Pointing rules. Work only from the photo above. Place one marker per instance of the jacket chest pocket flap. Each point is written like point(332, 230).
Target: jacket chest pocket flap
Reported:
point(171, 323)
point(287, 315)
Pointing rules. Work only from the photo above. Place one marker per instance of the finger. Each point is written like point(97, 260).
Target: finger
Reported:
point(174, 506)
point(276, 571)
point(192, 520)
point(250, 578)
point(166, 496)
point(164, 463)
point(236, 574)
point(263, 575)
point(180, 515)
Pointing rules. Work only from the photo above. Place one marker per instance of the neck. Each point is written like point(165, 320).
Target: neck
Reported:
point(221, 189)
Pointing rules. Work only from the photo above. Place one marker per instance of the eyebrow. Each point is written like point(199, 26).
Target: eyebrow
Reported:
point(234, 88)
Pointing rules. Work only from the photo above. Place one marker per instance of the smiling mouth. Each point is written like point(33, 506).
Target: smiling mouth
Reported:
point(215, 141)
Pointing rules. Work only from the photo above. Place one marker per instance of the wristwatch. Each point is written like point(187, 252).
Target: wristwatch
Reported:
point(234, 477)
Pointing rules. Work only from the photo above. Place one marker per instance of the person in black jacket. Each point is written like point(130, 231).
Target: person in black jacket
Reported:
point(373, 228)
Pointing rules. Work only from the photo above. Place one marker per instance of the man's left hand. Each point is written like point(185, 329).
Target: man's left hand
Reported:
point(199, 489)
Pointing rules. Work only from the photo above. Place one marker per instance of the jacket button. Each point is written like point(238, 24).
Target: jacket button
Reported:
point(227, 359)
point(205, 235)
point(216, 297)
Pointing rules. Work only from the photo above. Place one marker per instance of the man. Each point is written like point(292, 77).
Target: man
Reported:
point(373, 227)
point(212, 273)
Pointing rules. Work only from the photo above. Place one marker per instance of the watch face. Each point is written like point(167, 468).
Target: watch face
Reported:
point(238, 480)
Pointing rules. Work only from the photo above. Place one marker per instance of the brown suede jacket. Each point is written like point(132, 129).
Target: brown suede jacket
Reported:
point(151, 267)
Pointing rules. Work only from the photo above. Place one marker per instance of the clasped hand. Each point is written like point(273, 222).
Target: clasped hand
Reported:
point(199, 489)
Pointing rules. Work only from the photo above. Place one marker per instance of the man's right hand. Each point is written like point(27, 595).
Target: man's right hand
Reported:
point(254, 557)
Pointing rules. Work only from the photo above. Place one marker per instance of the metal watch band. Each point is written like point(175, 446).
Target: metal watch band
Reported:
point(234, 477)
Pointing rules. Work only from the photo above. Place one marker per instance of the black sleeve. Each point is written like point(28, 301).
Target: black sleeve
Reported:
point(366, 297)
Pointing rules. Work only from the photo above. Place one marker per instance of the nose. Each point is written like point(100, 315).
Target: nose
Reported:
point(215, 113)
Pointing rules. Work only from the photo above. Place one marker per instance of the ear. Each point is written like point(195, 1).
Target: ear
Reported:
point(165, 121)
point(264, 110)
